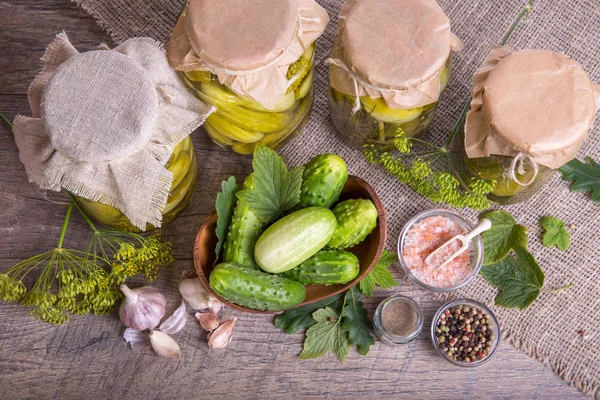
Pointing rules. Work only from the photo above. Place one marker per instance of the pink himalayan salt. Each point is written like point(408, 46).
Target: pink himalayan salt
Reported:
point(426, 236)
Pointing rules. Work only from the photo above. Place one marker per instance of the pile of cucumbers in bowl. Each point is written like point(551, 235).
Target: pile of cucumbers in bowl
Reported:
point(266, 266)
point(240, 123)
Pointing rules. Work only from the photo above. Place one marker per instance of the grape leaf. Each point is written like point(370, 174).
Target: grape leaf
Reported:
point(296, 319)
point(357, 322)
point(504, 235)
point(276, 190)
point(519, 279)
point(379, 275)
point(555, 234)
point(326, 335)
point(585, 177)
point(224, 205)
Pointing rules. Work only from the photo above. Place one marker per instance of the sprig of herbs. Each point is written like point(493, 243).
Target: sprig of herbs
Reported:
point(429, 168)
point(72, 281)
point(518, 277)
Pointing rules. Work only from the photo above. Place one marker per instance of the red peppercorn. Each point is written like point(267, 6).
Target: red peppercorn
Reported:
point(581, 332)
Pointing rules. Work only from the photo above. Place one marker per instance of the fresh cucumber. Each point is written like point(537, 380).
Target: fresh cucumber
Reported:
point(327, 267)
point(294, 238)
point(244, 230)
point(323, 180)
point(255, 289)
point(356, 218)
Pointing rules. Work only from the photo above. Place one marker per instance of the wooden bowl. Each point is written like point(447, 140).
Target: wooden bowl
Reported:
point(368, 251)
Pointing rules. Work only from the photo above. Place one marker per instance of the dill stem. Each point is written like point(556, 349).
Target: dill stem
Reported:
point(83, 213)
point(63, 231)
point(6, 120)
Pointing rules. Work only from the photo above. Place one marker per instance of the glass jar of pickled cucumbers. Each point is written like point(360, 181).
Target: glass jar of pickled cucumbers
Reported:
point(375, 122)
point(240, 123)
point(253, 62)
point(531, 111)
point(183, 164)
point(389, 64)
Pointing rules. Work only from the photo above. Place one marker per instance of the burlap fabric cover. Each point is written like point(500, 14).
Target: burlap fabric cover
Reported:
point(104, 124)
point(548, 329)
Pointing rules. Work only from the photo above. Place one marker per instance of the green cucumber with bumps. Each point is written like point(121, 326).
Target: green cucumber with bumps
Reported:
point(327, 267)
point(244, 230)
point(356, 218)
point(294, 239)
point(323, 180)
point(255, 289)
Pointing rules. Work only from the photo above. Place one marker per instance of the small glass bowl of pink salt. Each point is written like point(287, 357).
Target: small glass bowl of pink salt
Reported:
point(425, 233)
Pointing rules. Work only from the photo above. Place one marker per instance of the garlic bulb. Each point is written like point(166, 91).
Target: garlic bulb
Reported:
point(164, 345)
point(221, 337)
point(195, 293)
point(142, 308)
point(208, 321)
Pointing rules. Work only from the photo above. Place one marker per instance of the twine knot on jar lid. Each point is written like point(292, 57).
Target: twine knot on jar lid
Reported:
point(535, 106)
point(104, 124)
point(248, 44)
point(392, 49)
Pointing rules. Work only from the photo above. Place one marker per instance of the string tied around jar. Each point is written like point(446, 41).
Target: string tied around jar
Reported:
point(517, 167)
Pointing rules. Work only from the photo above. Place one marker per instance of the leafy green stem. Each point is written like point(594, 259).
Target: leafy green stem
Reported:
point(560, 289)
point(63, 231)
point(82, 212)
point(6, 121)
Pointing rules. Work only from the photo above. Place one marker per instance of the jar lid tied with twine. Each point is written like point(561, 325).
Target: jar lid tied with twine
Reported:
point(532, 105)
point(392, 49)
point(248, 44)
point(104, 124)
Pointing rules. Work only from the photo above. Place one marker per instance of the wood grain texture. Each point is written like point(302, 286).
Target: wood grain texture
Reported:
point(87, 358)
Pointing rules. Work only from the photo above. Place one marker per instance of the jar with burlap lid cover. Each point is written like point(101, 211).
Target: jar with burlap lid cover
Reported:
point(390, 62)
point(253, 61)
point(531, 111)
point(112, 127)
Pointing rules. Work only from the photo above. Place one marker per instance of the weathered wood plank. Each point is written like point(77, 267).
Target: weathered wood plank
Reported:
point(88, 358)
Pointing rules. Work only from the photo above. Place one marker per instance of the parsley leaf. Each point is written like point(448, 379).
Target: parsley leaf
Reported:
point(556, 234)
point(379, 275)
point(357, 323)
point(326, 335)
point(276, 190)
point(225, 204)
point(504, 235)
point(585, 177)
point(296, 319)
point(519, 279)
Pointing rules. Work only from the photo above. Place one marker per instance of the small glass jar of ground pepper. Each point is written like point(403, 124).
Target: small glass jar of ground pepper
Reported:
point(426, 232)
point(465, 333)
point(398, 320)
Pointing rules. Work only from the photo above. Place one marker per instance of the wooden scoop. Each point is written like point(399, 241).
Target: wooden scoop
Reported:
point(483, 226)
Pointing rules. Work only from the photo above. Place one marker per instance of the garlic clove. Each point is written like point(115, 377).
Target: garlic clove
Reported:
point(215, 306)
point(208, 321)
point(138, 340)
point(142, 308)
point(221, 337)
point(175, 322)
point(164, 345)
point(196, 294)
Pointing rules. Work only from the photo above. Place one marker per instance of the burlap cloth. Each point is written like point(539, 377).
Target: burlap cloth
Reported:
point(548, 330)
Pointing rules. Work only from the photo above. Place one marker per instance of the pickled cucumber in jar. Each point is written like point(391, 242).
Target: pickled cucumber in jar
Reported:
point(183, 164)
point(530, 112)
point(381, 83)
point(261, 92)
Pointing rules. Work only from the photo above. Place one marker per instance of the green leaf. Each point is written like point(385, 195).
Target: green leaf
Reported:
point(276, 190)
point(556, 234)
point(326, 335)
point(225, 204)
point(504, 235)
point(379, 275)
point(296, 319)
point(357, 322)
point(519, 279)
point(585, 177)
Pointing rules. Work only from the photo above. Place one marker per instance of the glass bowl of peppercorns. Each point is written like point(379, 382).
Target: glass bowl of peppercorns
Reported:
point(465, 332)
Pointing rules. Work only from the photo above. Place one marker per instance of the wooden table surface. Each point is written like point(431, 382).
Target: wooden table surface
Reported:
point(88, 358)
